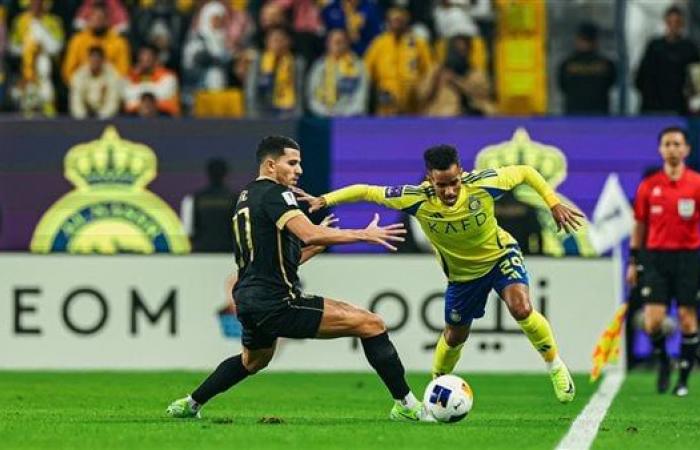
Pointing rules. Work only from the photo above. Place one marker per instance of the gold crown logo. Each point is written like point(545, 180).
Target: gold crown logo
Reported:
point(548, 160)
point(110, 160)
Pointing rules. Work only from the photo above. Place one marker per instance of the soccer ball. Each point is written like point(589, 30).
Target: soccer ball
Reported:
point(448, 398)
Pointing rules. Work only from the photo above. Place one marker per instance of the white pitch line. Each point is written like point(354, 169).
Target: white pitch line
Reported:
point(585, 428)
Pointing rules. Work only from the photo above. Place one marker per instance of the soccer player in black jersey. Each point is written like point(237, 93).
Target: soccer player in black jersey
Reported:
point(270, 232)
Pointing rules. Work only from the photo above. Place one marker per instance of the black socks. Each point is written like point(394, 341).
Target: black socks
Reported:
point(658, 342)
point(382, 356)
point(689, 345)
point(229, 372)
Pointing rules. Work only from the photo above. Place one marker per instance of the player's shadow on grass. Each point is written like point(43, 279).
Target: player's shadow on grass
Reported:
point(292, 421)
point(321, 421)
point(137, 420)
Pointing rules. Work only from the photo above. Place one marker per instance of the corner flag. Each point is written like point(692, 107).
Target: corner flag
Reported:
point(612, 218)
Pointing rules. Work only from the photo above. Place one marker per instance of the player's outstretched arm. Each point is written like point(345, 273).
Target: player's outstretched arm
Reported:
point(348, 194)
point(312, 234)
point(310, 251)
point(567, 218)
point(315, 203)
point(394, 197)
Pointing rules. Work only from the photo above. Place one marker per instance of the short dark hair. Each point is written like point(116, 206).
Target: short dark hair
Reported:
point(588, 31)
point(673, 129)
point(278, 28)
point(440, 157)
point(150, 47)
point(216, 170)
point(148, 96)
point(274, 146)
point(674, 9)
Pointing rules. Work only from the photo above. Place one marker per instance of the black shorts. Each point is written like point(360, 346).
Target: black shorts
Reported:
point(297, 318)
point(670, 275)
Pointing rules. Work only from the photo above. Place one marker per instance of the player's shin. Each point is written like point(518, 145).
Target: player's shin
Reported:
point(445, 357)
point(538, 331)
point(227, 374)
point(658, 343)
point(382, 356)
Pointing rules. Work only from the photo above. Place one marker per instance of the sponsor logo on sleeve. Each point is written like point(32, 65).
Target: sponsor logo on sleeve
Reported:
point(393, 191)
point(289, 198)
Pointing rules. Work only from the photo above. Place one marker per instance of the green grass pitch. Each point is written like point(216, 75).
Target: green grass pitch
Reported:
point(125, 410)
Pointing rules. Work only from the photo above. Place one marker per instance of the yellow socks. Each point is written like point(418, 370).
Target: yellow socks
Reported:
point(538, 331)
point(445, 357)
point(535, 327)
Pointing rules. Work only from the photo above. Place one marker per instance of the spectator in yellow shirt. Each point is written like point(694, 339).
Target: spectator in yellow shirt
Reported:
point(396, 61)
point(96, 34)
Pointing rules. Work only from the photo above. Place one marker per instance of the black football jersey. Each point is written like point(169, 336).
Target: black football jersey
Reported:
point(266, 253)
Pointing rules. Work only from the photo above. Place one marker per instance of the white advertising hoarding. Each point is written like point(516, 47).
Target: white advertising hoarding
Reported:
point(164, 312)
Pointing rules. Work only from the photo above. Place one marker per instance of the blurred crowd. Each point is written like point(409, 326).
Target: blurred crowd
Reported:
point(274, 58)
point(286, 58)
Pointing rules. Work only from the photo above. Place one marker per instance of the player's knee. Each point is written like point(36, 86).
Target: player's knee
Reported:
point(256, 364)
point(652, 323)
point(520, 308)
point(372, 325)
point(688, 320)
point(453, 340)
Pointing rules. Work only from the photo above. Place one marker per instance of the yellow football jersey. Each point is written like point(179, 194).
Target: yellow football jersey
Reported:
point(466, 237)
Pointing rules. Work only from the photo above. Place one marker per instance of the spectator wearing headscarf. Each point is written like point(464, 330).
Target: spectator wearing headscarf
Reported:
point(96, 34)
point(116, 12)
point(453, 18)
point(210, 49)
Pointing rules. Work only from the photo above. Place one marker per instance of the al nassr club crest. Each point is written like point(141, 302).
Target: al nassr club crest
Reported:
point(110, 210)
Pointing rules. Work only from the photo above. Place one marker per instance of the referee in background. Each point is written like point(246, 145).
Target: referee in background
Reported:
point(665, 240)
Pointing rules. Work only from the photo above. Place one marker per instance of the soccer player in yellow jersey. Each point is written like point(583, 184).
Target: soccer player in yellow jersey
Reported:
point(456, 212)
